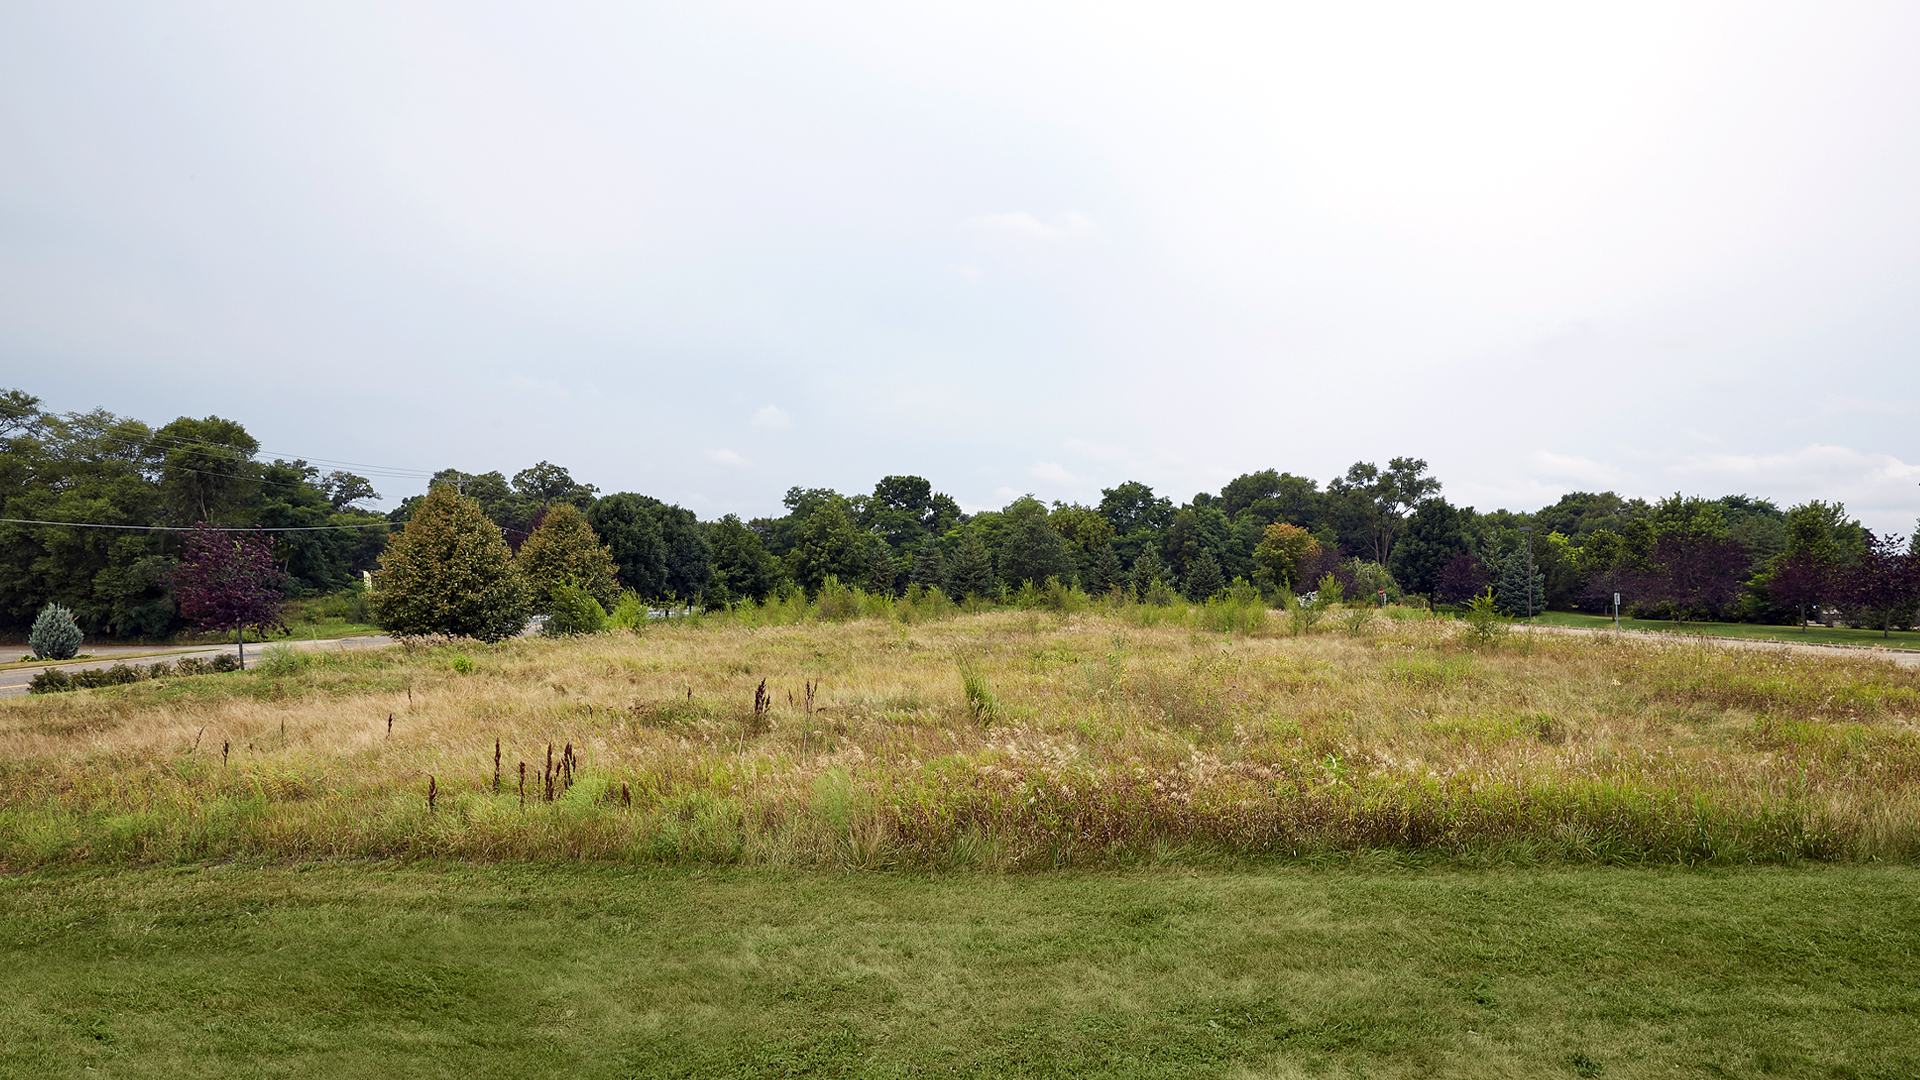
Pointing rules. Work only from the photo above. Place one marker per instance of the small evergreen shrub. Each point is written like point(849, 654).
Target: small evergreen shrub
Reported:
point(1486, 623)
point(225, 661)
point(55, 634)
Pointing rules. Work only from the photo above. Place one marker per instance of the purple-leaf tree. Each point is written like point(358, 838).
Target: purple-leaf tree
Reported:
point(228, 581)
point(1884, 587)
point(1800, 580)
point(1696, 574)
point(1461, 579)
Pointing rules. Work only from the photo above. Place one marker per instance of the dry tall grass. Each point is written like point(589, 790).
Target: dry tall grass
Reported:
point(1102, 737)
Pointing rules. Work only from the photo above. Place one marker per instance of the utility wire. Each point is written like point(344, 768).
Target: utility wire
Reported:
point(191, 528)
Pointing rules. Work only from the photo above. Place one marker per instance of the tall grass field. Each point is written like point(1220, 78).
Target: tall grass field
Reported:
point(1001, 741)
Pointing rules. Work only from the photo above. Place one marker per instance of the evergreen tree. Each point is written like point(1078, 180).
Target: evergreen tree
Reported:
point(1205, 578)
point(881, 570)
point(449, 572)
point(55, 635)
point(971, 572)
point(1107, 572)
point(1430, 540)
point(1146, 571)
point(565, 551)
point(929, 569)
point(1511, 588)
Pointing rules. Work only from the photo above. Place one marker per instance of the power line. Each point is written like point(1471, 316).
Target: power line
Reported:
point(191, 528)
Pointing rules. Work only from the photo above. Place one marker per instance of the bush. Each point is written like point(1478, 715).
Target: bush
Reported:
point(629, 612)
point(159, 670)
point(836, 601)
point(225, 661)
point(50, 681)
point(575, 611)
point(277, 661)
point(55, 634)
point(192, 665)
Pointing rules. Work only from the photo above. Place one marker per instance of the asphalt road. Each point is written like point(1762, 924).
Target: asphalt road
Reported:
point(13, 682)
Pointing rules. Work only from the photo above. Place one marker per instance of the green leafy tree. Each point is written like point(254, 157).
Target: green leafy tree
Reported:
point(970, 573)
point(1372, 503)
point(564, 551)
point(1282, 560)
point(451, 572)
point(625, 521)
point(1033, 551)
point(827, 544)
point(741, 563)
point(207, 471)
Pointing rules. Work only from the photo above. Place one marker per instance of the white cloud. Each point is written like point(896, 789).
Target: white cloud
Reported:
point(1049, 471)
point(1577, 469)
point(727, 457)
point(771, 418)
point(1021, 227)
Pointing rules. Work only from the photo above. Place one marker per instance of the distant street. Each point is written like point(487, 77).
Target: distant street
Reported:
point(13, 682)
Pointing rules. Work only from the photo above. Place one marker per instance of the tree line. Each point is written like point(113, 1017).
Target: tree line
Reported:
point(1379, 531)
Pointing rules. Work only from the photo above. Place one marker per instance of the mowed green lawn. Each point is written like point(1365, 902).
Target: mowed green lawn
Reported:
point(1820, 635)
point(1363, 970)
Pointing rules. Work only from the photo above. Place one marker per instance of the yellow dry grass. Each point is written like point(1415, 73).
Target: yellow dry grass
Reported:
point(1110, 736)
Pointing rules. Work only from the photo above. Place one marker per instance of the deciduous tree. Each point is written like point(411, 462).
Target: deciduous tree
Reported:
point(228, 581)
point(451, 572)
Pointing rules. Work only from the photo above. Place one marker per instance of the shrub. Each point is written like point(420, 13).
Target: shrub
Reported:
point(278, 661)
point(462, 664)
point(50, 681)
point(192, 665)
point(225, 662)
point(159, 670)
point(55, 634)
point(629, 612)
point(836, 601)
point(575, 611)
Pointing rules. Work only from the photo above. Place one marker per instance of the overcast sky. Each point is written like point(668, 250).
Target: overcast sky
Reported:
point(708, 252)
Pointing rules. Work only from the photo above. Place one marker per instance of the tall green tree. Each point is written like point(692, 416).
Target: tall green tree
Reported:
point(827, 543)
point(741, 563)
point(626, 523)
point(970, 572)
point(564, 551)
point(1434, 534)
point(207, 471)
point(449, 571)
point(1034, 552)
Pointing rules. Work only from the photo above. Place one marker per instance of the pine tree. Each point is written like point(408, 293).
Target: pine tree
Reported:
point(55, 635)
point(1107, 572)
point(881, 570)
point(1511, 590)
point(1205, 578)
point(971, 572)
point(929, 569)
point(1034, 552)
point(1146, 571)
point(449, 572)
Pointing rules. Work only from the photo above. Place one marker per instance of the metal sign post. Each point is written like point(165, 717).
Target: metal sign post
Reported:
point(1616, 611)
